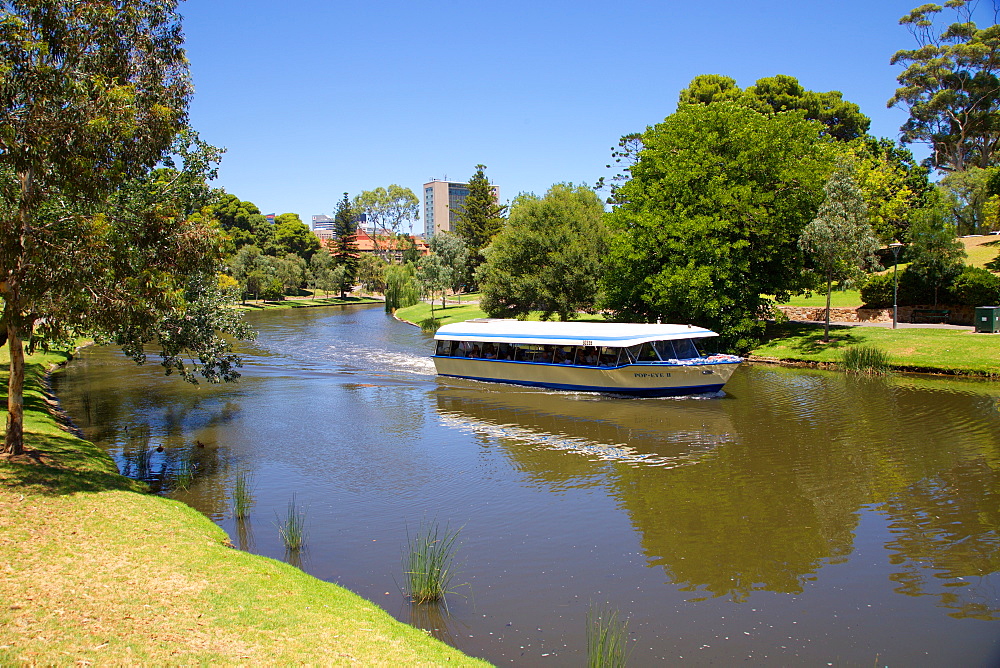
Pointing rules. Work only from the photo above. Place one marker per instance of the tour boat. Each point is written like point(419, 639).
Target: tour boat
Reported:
point(622, 358)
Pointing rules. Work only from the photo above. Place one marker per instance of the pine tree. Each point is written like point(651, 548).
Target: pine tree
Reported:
point(345, 229)
point(480, 219)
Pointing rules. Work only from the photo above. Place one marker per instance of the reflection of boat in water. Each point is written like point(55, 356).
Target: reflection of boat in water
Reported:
point(622, 358)
point(668, 433)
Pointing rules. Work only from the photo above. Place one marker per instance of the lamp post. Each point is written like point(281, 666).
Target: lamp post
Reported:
point(895, 246)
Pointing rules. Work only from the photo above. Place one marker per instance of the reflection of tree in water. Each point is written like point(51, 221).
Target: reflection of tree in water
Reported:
point(764, 488)
point(947, 537)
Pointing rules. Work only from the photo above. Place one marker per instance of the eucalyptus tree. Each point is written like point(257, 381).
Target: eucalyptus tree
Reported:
point(454, 255)
point(839, 240)
point(386, 209)
point(951, 86)
point(434, 276)
point(92, 94)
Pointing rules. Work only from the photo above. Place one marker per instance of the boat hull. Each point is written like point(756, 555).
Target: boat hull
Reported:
point(642, 380)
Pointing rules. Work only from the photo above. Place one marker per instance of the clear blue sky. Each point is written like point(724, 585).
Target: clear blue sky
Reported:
point(316, 97)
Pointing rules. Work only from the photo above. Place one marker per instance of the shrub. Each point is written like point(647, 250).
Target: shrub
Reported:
point(976, 287)
point(877, 291)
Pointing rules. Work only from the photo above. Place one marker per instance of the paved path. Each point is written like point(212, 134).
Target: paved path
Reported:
point(899, 325)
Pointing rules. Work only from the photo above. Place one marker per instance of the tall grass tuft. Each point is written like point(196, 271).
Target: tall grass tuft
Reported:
point(607, 637)
point(430, 325)
point(869, 360)
point(428, 563)
point(184, 473)
point(293, 527)
point(243, 494)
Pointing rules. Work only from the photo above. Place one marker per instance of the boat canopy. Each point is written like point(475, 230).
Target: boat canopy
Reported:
point(567, 333)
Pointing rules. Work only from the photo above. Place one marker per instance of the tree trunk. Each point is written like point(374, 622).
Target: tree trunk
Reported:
point(829, 288)
point(14, 440)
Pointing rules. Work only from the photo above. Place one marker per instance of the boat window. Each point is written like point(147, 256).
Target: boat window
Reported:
point(444, 348)
point(609, 356)
point(665, 349)
point(489, 351)
point(563, 354)
point(642, 353)
point(686, 349)
point(505, 351)
point(587, 356)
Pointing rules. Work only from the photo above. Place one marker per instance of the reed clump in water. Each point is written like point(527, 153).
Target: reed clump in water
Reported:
point(293, 528)
point(428, 564)
point(184, 473)
point(430, 325)
point(869, 360)
point(607, 637)
point(242, 494)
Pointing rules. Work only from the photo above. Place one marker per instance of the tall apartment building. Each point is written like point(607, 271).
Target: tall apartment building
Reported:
point(441, 200)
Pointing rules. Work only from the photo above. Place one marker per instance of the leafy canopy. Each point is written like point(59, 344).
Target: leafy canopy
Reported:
point(547, 258)
point(710, 220)
point(950, 87)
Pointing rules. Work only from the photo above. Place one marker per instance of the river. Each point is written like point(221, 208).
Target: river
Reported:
point(801, 517)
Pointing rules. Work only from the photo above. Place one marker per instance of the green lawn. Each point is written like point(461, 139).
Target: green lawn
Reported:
point(838, 299)
point(97, 571)
point(913, 349)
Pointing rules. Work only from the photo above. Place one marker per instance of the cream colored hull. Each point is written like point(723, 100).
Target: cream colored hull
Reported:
point(649, 380)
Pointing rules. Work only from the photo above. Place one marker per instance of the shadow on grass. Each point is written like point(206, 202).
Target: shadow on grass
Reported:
point(810, 337)
point(55, 462)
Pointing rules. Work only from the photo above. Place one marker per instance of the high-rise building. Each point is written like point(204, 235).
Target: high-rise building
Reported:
point(441, 200)
point(322, 222)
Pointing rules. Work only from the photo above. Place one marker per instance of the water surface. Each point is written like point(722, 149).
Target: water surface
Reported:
point(799, 518)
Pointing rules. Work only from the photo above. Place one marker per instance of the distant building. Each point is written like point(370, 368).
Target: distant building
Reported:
point(386, 244)
point(441, 200)
point(322, 222)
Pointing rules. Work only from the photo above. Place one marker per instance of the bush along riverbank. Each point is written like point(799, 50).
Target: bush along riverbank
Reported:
point(96, 570)
point(918, 350)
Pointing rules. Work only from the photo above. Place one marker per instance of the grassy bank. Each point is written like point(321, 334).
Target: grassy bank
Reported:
point(297, 302)
point(97, 571)
point(912, 349)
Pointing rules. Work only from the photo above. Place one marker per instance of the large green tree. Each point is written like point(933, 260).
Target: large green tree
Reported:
point(839, 240)
point(936, 255)
point(479, 219)
point(709, 222)
point(92, 95)
point(291, 235)
point(547, 258)
point(951, 87)
point(841, 119)
point(243, 222)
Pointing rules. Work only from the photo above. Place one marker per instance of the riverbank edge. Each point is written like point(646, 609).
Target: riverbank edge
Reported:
point(807, 361)
point(97, 570)
point(302, 303)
